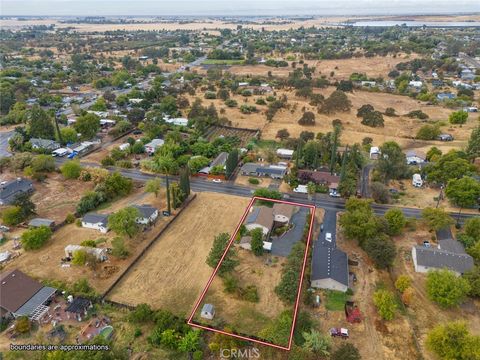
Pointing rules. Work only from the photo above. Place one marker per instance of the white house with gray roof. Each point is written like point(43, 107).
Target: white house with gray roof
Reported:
point(450, 254)
point(148, 214)
point(329, 268)
point(96, 221)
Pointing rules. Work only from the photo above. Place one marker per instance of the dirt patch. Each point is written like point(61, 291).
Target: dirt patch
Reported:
point(173, 272)
point(57, 197)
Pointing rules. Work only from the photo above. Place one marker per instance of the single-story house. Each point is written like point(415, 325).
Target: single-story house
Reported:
point(445, 96)
point(96, 221)
point(37, 222)
point(318, 177)
point(153, 145)
point(176, 121)
point(45, 144)
point(374, 152)
point(220, 160)
point(105, 123)
point(78, 307)
point(148, 214)
point(285, 153)
point(208, 311)
point(246, 243)
point(282, 213)
point(99, 253)
point(415, 84)
point(20, 295)
point(273, 171)
point(428, 258)
point(10, 190)
point(414, 157)
point(260, 217)
point(329, 268)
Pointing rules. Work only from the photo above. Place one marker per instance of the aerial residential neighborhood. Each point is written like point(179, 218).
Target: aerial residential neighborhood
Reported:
point(250, 180)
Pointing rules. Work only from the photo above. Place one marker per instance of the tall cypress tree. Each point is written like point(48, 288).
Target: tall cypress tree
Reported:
point(231, 163)
point(185, 182)
point(168, 193)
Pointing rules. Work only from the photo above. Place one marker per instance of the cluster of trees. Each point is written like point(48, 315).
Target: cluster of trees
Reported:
point(19, 210)
point(453, 341)
point(370, 116)
point(336, 102)
point(360, 223)
point(287, 288)
point(114, 185)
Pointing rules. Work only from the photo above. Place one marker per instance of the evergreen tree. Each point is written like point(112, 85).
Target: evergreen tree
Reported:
point(231, 163)
point(185, 182)
point(40, 124)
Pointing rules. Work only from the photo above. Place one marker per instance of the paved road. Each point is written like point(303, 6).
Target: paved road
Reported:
point(201, 184)
point(282, 246)
point(4, 136)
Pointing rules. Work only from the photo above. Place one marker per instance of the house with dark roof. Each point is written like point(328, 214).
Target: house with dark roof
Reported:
point(329, 265)
point(329, 268)
point(44, 144)
point(148, 214)
point(220, 160)
point(273, 171)
point(425, 259)
point(10, 190)
point(20, 295)
point(318, 177)
point(96, 221)
point(414, 157)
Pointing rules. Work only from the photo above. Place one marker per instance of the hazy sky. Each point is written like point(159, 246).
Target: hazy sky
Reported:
point(239, 7)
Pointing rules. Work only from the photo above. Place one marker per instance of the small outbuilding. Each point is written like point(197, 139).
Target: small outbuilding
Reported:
point(208, 311)
point(96, 221)
point(79, 307)
point(37, 222)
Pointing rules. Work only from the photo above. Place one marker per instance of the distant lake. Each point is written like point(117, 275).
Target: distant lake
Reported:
point(442, 24)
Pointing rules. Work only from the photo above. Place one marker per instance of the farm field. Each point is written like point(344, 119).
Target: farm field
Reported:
point(245, 135)
point(45, 263)
point(173, 272)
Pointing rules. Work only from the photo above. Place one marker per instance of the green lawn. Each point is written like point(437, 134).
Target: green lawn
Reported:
point(222, 62)
point(335, 300)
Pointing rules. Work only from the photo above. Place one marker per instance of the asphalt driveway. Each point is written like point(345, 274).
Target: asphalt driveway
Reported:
point(282, 246)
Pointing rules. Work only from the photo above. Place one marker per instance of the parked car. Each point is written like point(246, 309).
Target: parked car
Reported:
point(4, 228)
point(72, 155)
point(321, 227)
point(334, 194)
point(340, 332)
point(218, 181)
point(328, 237)
point(137, 132)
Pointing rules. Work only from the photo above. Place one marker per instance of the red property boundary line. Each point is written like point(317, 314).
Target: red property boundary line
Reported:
point(197, 304)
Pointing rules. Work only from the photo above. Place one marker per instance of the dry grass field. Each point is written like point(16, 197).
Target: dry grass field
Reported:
point(401, 129)
point(173, 272)
point(45, 263)
point(378, 66)
point(247, 317)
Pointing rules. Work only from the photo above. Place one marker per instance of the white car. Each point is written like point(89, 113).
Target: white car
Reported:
point(328, 237)
point(218, 181)
point(334, 194)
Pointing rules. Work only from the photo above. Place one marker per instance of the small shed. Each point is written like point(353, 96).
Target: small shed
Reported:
point(79, 306)
point(37, 222)
point(208, 311)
